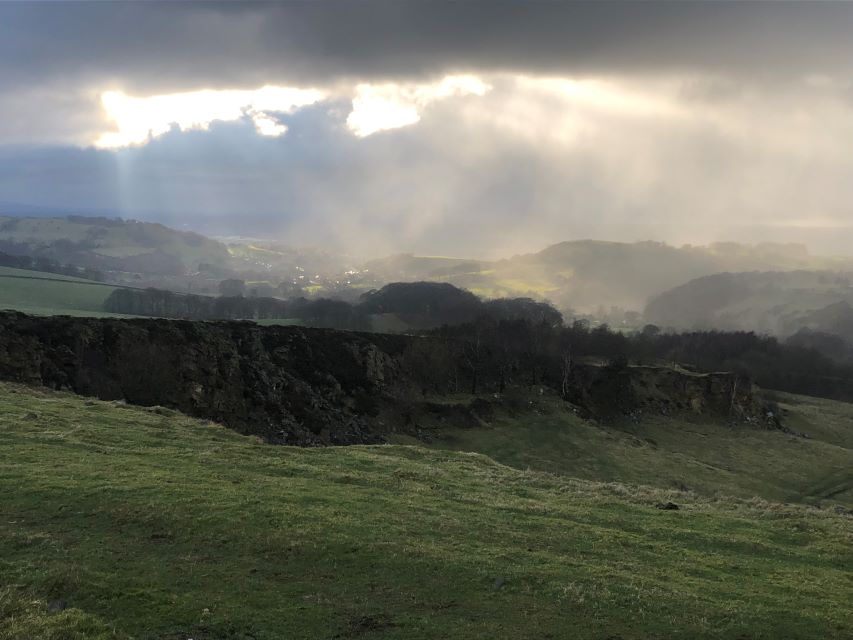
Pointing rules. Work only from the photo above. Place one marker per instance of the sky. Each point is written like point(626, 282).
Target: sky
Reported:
point(470, 128)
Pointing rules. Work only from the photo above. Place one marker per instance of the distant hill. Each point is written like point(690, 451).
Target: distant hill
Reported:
point(779, 303)
point(110, 244)
point(583, 276)
point(587, 275)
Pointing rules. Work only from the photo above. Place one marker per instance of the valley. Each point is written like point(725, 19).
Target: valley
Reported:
point(602, 281)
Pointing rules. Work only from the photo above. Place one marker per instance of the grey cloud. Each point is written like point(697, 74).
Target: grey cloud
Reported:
point(166, 46)
point(56, 57)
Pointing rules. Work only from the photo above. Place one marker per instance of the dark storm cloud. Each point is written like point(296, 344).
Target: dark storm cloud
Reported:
point(147, 47)
point(702, 121)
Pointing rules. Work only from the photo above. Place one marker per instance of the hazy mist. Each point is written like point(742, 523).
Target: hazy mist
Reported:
point(684, 123)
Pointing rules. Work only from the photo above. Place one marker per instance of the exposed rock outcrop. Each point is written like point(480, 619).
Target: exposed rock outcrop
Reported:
point(286, 384)
point(295, 385)
point(605, 391)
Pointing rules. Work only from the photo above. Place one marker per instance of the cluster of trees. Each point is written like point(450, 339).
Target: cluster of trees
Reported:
point(832, 345)
point(49, 266)
point(476, 345)
point(425, 305)
point(420, 305)
point(772, 364)
point(492, 353)
point(334, 314)
point(237, 287)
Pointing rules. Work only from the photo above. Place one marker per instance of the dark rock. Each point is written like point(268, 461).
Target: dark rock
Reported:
point(604, 392)
point(310, 387)
point(499, 582)
point(55, 606)
point(288, 385)
point(667, 506)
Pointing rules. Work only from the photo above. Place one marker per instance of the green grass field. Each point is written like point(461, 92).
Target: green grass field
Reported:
point(698, 453)
point(42, 293)
point(46, 294)
point(151, 525)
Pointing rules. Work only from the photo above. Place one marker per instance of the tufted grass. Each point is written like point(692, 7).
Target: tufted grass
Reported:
point(148, 524)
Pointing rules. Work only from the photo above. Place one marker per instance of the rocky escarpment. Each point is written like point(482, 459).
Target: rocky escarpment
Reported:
point(295, 385)
point(286, 384)
point(606, 390)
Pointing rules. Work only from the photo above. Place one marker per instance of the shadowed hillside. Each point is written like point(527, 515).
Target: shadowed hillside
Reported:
point(110, 244)
point(771, 302)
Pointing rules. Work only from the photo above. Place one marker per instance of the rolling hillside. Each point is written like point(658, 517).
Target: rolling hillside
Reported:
point(122, 522)
point(583, 276)
point(110, 244)
point(586, 275)
point(770, 302)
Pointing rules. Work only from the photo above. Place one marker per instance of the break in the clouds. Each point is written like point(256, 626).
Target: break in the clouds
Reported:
point(392, 105)
point(138, 120)
point(474, 127)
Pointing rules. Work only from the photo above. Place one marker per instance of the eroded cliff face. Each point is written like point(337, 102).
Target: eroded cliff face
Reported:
point(295, 385)
point(631, 390)
point(286, 384)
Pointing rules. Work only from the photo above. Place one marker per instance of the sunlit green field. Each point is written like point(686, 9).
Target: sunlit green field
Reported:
point(147, 524)
point(49, 293)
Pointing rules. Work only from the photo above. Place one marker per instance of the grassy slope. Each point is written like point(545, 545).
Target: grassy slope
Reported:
point(158, 526)
point(701, 454)
point(115, 240)
point(45, 275)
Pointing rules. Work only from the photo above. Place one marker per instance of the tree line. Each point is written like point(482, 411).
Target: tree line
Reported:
point(491, 354)
point(484, 346)
point(48, 265)
point(420, 305)
point(335, 314)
